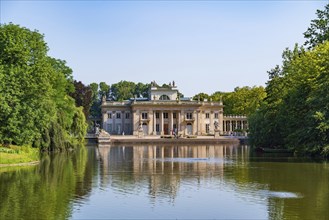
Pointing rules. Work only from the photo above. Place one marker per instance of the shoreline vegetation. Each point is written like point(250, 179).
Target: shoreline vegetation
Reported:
point(18, 155)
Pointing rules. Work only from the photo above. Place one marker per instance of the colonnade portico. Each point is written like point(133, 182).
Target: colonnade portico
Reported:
point(162, 122)
point(182, 121)
point(235, 124)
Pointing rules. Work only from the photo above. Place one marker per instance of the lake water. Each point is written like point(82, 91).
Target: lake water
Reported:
point(166, 182)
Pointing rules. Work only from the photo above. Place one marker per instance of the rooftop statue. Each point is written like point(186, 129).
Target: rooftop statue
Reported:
point(154, 84)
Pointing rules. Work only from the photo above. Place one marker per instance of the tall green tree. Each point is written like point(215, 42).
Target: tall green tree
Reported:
point(95, 110)
point(36, 108)
point(295, 98)
point(217, 96)
point(295, 112)
point(25, 89)
point(104, 89)
point(122, 90)
point(318, 32)
point(83, 96)
point(242, 101)
point(141, 90)
point(201, 96)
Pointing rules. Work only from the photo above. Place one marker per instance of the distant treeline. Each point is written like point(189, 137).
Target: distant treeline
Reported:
point(242, 101)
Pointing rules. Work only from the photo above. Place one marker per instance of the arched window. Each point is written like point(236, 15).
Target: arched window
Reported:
point(164, 97)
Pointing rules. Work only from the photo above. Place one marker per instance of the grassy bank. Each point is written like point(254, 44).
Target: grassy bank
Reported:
point(15, 154)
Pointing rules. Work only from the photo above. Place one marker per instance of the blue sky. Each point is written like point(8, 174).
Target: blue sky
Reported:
point(204, 46)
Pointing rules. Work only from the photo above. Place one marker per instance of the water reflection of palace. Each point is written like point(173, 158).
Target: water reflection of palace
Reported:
point(163, 168)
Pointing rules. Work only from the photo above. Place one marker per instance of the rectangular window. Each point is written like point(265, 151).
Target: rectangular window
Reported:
point(189, 115)
point(157, 115)
point(239, 125)
point(118, 115)
point(207, 115)
point(144, 115)
point(165, 115)
point(157, 128)
point(174, 115)
point(207, 128)
point(127, 115)
point(216, 115)
point(109, 115)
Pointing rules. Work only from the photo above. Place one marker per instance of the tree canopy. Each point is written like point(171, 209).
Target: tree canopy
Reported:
point(83, 96)
point(125, 90)
point(318, 32)
point(36, 108)
point(295, 113)
point(201, 96)
point(242, 101)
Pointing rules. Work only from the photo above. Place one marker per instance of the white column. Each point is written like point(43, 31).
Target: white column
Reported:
point(199, 121)
point(149, 125)
point(194, 123)
point(211, 119)
point(161, 123)
point(123, 121)
point(135, 122)
point(154, 123)
point(133, 117)
point(171, 121)
point(183, 128)
point(220, 122)
point(105, 117)
point(202, 124)
point(114, 115)
point(224, 126)
point(178, 121)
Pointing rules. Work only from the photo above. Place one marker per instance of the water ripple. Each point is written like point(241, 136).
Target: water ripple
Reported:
point(194, 160)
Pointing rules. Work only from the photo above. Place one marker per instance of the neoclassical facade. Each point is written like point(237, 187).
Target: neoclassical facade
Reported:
point(164, 113)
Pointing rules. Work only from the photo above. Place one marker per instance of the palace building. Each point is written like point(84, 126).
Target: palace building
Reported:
point(165, 113)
